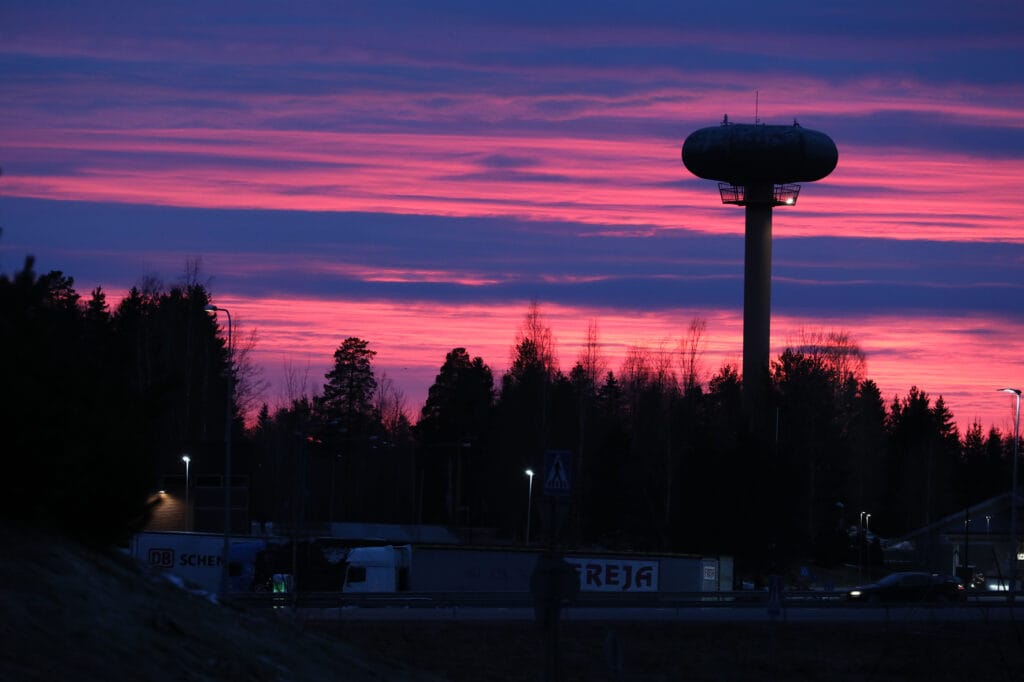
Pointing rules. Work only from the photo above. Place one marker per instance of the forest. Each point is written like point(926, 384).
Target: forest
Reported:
point(665, 456)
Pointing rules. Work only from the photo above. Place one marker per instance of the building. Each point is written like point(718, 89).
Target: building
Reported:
point(973, 542)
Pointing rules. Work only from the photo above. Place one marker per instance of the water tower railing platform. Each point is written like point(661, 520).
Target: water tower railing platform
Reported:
point(782, 195)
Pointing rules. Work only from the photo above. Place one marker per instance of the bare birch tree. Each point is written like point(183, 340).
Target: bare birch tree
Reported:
point(836, 350)
point(389, 401)
point(250, 384)
point(536, 330)
point(590, 358)
point(691, 355)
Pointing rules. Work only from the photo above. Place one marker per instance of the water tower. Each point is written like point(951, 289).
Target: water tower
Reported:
point(757, 167)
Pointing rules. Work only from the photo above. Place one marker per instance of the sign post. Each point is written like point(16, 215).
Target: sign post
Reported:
point(554, 581)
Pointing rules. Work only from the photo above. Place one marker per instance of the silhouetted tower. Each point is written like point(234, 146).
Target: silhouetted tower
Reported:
point(756, 166)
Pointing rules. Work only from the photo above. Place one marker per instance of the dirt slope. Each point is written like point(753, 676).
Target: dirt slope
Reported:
point(70, 613)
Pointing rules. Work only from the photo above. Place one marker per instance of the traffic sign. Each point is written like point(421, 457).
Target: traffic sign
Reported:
point(557, 473)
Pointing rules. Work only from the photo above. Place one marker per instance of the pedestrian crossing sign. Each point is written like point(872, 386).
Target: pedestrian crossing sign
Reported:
point(557, 472)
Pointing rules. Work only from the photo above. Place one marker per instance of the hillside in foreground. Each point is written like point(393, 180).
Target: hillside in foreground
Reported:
point(71, 613)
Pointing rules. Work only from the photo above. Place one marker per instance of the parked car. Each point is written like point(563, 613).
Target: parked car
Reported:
point(911, 587)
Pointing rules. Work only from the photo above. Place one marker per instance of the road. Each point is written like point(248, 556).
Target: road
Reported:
point(965, 613)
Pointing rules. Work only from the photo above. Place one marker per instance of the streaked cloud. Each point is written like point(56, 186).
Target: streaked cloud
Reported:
point(421, 171)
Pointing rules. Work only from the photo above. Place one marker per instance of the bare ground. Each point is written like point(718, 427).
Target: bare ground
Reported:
point(782, 652)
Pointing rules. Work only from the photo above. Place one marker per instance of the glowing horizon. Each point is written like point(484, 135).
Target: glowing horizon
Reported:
point(300, 337)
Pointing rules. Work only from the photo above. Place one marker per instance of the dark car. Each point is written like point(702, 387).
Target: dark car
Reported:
point(911, 587)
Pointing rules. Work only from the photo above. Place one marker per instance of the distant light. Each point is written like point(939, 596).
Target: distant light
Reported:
point(162, 492)
point(529, 472)
point(855, 593)
point(790, 201)
point(186, 459)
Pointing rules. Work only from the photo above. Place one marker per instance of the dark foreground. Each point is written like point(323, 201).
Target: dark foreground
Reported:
point(783, 652)
point(67, 613)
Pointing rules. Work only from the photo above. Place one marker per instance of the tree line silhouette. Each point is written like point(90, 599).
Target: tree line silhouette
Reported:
point(103, 402)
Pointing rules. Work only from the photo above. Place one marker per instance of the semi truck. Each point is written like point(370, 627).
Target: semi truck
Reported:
point(413, 568)
point(197, 558)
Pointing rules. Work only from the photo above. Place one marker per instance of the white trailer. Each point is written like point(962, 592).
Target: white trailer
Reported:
point(401, 568)
point(197, 558)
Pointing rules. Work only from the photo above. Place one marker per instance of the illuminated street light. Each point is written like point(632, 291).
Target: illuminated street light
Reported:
point(1013, 496)
point(225, 552)
point(186, 459)
point(529, 505)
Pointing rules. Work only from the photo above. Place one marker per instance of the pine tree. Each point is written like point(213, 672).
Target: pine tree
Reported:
point(347, 398)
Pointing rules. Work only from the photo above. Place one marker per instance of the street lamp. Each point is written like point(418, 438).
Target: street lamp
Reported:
point(1013, 495)
point(529, 505)
point(186, 459)
point(225, 552)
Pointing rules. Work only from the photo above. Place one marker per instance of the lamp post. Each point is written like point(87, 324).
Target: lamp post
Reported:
point(869, 559)
point(225, 552)
point(1013, 495)
point(186, 459)
point(862, 544)
point(529, 504)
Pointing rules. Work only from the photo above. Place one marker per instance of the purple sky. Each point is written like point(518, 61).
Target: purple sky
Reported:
point(416, 173)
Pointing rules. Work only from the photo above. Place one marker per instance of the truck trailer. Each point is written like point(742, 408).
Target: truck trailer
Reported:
point(197, 558)
point(414, 568)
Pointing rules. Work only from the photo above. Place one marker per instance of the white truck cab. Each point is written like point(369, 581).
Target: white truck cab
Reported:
point(377, 569)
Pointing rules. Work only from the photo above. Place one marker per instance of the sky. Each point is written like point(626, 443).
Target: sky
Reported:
point(417, 173)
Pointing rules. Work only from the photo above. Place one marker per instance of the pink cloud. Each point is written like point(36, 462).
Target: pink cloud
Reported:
point(873, 193)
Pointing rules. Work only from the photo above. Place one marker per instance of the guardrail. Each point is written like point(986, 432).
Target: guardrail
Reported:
point(741, 599)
